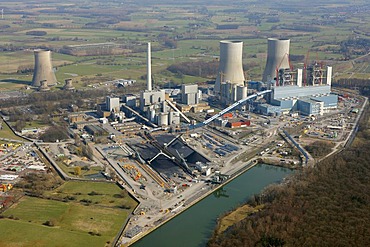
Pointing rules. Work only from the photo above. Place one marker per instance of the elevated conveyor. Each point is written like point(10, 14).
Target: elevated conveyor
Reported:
point(229, 108)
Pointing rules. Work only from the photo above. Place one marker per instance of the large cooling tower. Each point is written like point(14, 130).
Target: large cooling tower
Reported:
point(231, 64)
point(277, 58)
point(43, 68)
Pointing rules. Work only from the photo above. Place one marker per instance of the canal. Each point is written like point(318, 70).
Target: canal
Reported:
point(193, 227)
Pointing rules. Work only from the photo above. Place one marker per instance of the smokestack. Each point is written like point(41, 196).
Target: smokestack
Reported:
point(149, 69)
point(277, 58)
point(43, 69)
point(231, 64)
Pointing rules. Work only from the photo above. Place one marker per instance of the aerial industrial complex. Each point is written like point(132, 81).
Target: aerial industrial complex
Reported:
point(306, 91)
point(171, 147)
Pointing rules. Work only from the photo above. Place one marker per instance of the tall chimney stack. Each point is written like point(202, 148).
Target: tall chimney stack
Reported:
point(149, 69)
point(43, 70)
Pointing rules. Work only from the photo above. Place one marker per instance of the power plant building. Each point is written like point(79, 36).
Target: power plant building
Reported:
point(231, 93)
point(153, 103)
point(148, 98)
point(308, 100)
point(43, 69)
point(112, 104)
point(190, 94)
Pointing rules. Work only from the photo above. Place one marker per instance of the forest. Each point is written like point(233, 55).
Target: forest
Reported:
point(327, 205)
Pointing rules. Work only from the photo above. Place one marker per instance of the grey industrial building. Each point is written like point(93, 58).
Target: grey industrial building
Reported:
point(154, 104)
point(112, 104)
point(231, 93)
point(306, 100)
point(149, 98)
point(190, 95)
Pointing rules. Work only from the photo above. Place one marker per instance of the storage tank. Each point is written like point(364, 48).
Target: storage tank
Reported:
point(231, 64)
point(43, 70)
point(277, 57)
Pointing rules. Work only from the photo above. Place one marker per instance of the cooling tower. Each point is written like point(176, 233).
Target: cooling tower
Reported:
point(68, 84)
point(277, 58)
point(44, 86)
point(231, 64)
point(43, 69)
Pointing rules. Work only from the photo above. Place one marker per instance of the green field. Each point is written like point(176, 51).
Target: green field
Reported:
point(193, 28)
point(75, 223)
point(70, 170)
point(7, 133)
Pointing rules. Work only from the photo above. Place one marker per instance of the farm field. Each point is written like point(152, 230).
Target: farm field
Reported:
point(82, 212)
point(179, 33)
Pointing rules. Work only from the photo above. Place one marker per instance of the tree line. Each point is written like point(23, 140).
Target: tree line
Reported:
point(198, 68)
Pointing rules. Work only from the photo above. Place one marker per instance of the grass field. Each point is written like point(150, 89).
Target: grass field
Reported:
point(70, 170)
point(194, 29)
point(73, 221)
point(106, 193)
point(236, 216)
point(7, 133)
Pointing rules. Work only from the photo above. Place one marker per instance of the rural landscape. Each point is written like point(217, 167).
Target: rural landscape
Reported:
point(63, 184)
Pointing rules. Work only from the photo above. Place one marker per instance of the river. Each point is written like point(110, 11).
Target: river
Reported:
point(193, 227)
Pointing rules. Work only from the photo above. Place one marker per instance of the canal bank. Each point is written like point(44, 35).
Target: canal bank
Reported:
point(194, 200)
point(194, 226)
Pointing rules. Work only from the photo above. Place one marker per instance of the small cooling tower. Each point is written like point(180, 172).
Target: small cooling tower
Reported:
point(68, 85)
point(277, 58)
point(43, 69)
point(44, 86)
point(231, 64)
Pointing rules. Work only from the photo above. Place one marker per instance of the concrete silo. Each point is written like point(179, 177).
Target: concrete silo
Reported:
point(277, 58)
point(231, 64)
point(43, 70)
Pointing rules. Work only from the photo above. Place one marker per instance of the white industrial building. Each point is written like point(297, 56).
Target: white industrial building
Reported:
point(112, 104)
point(190, 95)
